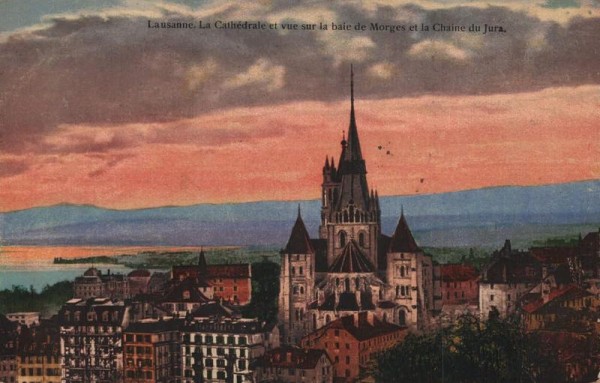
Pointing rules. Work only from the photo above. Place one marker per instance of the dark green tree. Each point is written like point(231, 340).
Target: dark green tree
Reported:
point(469, 351)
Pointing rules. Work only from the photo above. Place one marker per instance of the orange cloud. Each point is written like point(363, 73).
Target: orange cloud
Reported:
point(427, 144)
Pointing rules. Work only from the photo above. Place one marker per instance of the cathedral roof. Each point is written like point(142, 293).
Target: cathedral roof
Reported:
point(351, 260)
point(403, 241)
point(299, 242)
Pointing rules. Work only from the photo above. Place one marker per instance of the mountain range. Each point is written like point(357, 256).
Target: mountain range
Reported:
point(483, 217)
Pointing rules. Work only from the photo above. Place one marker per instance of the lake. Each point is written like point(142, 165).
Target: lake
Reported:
point(32, 265)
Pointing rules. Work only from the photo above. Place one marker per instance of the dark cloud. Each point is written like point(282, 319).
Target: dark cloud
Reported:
point(10, 168)
point(106, 70)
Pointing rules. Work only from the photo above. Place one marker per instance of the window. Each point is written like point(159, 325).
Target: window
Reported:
point(342, 236)
point(491, 298)
point(301, 270)
point(361, 239)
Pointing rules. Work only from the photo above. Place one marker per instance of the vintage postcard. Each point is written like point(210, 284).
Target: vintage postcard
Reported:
point(323, 191)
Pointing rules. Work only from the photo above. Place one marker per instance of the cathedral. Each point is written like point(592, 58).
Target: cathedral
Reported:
point(352, 267)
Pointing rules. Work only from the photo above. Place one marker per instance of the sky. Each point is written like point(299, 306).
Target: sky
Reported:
point(97, 108)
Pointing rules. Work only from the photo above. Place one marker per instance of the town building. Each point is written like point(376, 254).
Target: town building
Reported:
point(186, 296)
point(8, 350)
point(39, 353)
point(352, 342)
point(509, 276)
point(352, 267)
point(289, 364)
point(230, 282)
point(152, 351)
point(139, 281)
point(94, 284)
point(220, 346)
point(91, 339)
point(566, 307)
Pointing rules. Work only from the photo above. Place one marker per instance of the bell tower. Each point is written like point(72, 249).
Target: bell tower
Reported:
point(349, 211)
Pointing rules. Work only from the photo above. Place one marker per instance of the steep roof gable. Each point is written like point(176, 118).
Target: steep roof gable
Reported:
point(299, 242)
point(403, 241)
point(351, 260)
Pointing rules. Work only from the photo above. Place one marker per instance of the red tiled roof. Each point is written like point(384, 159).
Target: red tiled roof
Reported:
point(458, 273)
point(555, 255)
point(362, 329)
point(237, 270)
point(293, 357)
point(562, 294)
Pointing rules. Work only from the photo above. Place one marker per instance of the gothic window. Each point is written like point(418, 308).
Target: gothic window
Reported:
point(293, 270)
point(348, 284)
point(324, 198)
point(361, 239)
point(357, 216)
point(295, 290)
point(402, 271)
point(357, 283)
point(327, 318)
point(301, 290)
point(342, 238)
point(301, 271)
point(345, 216)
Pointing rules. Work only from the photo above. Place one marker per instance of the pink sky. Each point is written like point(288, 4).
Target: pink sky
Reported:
point(436, 144)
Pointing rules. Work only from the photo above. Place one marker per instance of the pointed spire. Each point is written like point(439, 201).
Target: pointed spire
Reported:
point(299, 242)
point(326, 162)
point(351, 91)
point(403, 241)
point(353, 144)
point(202, 265)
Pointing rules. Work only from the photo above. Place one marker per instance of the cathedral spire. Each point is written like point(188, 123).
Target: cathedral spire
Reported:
point(353, 153)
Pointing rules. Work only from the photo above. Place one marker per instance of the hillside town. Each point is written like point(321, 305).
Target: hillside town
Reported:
point(345, 297)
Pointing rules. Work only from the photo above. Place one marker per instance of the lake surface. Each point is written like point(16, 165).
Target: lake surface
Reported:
point(32, 265)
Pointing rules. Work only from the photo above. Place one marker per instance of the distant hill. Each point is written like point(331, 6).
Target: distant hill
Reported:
point(483, 217)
